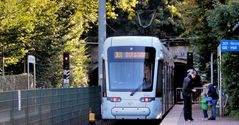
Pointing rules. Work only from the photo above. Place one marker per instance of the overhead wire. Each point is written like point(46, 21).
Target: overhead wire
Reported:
point(140, 12)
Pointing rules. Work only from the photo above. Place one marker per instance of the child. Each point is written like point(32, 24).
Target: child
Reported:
point(209, 101)
point(204, 102)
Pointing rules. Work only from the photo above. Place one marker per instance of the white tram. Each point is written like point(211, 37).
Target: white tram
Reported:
point(138, 76)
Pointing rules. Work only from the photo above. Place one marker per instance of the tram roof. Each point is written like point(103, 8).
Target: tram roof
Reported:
point(134, 40)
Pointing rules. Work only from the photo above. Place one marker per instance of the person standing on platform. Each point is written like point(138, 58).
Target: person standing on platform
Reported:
point(204, 106)
point(212, 92)
point(187, 92)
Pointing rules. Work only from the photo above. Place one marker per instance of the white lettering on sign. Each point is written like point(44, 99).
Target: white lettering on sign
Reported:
point(224, 43)
point(224, 47)
point(233, 47)
point(234, 43)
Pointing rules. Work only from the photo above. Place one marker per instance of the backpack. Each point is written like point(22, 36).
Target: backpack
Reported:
point(212, 92)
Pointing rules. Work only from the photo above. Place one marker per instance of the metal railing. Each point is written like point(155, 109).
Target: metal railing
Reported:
point(67, 106)
point(195, 96)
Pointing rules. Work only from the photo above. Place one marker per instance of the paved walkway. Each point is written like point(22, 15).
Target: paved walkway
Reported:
point(175, 117)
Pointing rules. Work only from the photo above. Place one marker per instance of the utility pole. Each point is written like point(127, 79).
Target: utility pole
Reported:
point(101, 37)
point(219, 76)
point(212, 68)
point(3, 63)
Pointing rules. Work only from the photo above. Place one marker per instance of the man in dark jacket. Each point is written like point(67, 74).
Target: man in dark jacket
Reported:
point(212, 92)
point(187, 91)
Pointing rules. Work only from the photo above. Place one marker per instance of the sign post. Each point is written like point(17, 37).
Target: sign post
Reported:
point(31, 59)
point(225, 46)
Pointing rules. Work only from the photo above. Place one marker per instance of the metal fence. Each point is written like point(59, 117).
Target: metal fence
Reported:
point(195, 96)
point(67, 106)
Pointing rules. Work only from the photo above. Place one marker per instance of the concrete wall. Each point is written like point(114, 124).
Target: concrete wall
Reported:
point(14, 82)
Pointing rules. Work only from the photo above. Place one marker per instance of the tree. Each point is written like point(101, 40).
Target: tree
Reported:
point(222, 20)
point(44, 28)
point(194, 13)
point(15, 23)
point(47, 28)
point(167, 20)
point(61, 25)
point(211, 21)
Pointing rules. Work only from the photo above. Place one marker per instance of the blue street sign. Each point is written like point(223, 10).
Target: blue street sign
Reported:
point(229, 45)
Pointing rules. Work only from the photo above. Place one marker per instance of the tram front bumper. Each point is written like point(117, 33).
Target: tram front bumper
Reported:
point(130, 111)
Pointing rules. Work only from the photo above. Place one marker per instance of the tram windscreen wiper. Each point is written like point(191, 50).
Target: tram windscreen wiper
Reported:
point(136, 90)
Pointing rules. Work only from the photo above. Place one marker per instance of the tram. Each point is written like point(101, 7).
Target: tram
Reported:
point(137, 76)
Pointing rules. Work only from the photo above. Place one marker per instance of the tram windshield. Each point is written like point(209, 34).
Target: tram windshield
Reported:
point(131, 68)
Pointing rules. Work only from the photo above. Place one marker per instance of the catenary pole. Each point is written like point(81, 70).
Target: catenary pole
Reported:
point(212, 68)
point(101, 37)
point(219, 56)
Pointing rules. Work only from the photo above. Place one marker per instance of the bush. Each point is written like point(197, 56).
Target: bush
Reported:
point(235, 114)
point(230, 76)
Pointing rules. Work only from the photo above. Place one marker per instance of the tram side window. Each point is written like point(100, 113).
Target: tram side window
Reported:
point(159, 79)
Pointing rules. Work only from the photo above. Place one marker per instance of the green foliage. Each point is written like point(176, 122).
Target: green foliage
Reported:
point(43, 28)
point(47, 28)
point(194, 13)
point(68, 20)
point(79, 63)
point(221, 21)
point(210, 21)
point(235, 114)
point(116, 7)
point(167, 20)
point(119, 15)
point(15, 24)
point(230, 69)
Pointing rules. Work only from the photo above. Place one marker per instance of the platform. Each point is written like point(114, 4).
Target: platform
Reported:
point(175, 117)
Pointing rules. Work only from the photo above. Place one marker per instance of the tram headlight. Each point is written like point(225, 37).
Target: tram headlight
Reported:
point(147, 99)
point(114, 99)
